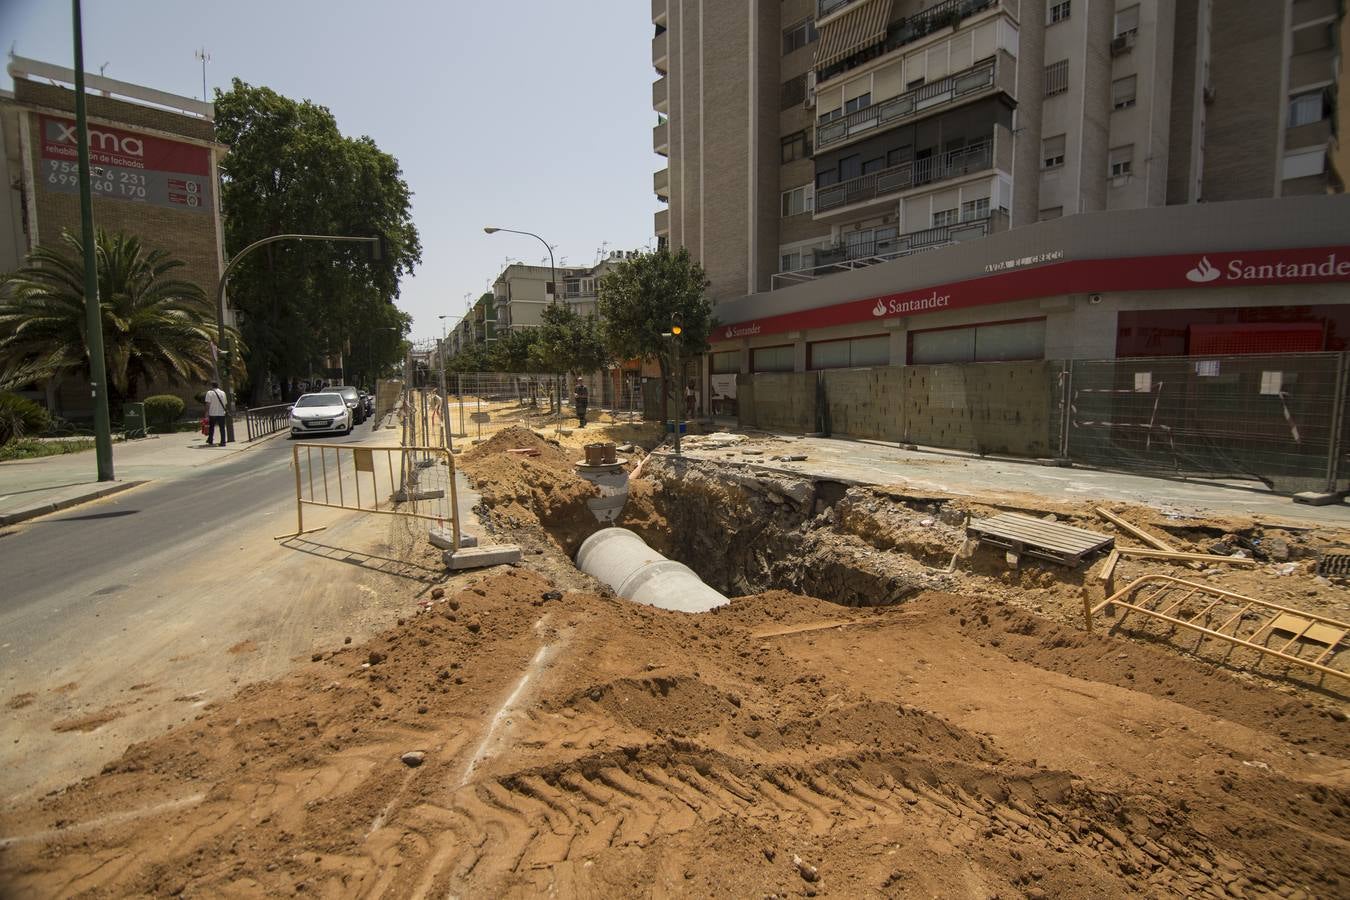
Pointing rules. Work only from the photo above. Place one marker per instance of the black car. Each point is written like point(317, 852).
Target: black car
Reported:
point(352, 397)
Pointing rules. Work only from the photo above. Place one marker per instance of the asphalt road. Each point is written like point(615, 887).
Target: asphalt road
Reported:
point(41, 560)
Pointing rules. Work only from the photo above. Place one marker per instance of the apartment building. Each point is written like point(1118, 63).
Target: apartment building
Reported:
point(827, 152)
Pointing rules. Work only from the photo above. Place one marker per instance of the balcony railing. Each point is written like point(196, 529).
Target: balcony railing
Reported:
point(660, 93)
point(906, 105)
point(661, 183)
point(662, 221)
point(661, 138)
point(829, 7)
point(841, 258)
point(907, 31)
point(911, 173)
point(659, 44)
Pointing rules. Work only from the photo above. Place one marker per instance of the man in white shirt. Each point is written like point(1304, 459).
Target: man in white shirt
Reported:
point(215, 414)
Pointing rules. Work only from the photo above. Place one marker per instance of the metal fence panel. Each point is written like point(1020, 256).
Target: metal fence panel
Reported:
point(1268, 417)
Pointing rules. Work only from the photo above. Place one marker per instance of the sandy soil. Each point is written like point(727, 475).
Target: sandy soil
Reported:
point(527, 732)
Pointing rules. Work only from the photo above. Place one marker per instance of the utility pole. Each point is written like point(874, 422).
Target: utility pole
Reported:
point(93, 309)
point(676, 329)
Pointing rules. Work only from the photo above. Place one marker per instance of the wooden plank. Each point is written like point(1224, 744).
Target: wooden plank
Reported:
point(1155, 542)
point(1109, 570)
point(1182, 556)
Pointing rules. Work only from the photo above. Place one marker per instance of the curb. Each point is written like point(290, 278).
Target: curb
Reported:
point(33, 512)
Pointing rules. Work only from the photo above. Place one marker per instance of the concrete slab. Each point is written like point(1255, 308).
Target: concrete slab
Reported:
point(481, 557)
point(20, 508)
point(444, 539)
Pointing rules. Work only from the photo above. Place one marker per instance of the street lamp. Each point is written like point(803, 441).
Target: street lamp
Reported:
point(553, 271)
point(223, 371)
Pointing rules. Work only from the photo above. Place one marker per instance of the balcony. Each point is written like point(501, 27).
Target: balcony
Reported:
point(661, 139)
point(661, 94)
point(909, 174)
point(830, 7)
point(659, 11)
point(967, 85)
point(659, 45)
point(841, 258)
point(661, 184)
point(907, 31)
point(662, 222)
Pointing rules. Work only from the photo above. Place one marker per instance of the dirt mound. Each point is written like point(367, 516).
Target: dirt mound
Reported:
point(522, 491)
point(581, 745)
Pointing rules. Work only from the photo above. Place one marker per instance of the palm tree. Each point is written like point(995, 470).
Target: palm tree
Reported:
point(154, 326)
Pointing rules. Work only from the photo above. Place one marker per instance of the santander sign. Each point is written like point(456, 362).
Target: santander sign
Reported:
point(1238, 269)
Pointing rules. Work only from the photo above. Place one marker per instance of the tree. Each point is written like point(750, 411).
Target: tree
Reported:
point(290, 170)
point(154, 326)
point(569, 342)
point(638, 300)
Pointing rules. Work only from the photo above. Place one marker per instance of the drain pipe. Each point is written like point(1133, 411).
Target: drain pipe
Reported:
point(622, 560)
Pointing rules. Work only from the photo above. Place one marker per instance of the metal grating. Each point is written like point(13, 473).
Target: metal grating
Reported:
point(1334, 562)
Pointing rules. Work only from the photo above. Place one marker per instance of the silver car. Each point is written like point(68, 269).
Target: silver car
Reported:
point(323, 413)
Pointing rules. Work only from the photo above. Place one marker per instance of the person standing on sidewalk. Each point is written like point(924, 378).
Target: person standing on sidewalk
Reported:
point(581, 398)
point(215, 414)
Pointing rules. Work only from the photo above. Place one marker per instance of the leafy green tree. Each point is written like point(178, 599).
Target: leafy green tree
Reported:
point(514, 351)
point(569, 342)
point(155, 326)
point(290, 170)
point(638, 300)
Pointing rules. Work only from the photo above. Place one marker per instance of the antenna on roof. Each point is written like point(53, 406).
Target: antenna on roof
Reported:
point(205, 58)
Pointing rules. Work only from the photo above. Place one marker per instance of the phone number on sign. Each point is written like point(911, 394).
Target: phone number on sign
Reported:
point(102, 179)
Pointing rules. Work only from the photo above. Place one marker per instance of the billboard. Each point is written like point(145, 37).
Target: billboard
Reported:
point(126, 165)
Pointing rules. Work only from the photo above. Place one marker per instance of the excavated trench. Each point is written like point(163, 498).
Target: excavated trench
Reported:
point(745, 531)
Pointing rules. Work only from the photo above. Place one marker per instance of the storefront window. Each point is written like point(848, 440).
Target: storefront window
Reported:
point(773, 359)
point(851, 353)
point(999, 342)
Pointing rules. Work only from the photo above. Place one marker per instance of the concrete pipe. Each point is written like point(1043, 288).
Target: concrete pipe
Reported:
point(622, 560)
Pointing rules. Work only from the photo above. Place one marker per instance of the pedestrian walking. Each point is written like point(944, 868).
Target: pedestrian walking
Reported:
point(215, 414)
point(580, 399)
point(690, 400)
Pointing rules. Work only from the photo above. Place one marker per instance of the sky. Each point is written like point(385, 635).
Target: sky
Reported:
point(526, 114)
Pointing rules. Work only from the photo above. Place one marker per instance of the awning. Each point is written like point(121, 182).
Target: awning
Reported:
point(855, 30)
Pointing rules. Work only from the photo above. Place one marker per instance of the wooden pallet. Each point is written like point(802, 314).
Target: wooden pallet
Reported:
point(1294, 636)
point(1024, 535)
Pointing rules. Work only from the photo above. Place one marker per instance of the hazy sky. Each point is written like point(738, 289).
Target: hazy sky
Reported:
point(525, 114)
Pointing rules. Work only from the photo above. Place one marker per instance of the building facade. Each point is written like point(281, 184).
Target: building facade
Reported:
point(154, 165)
point(878, 148)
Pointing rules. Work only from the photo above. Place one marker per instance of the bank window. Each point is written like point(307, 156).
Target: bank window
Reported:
point(798, 200)
point(943, 217)
point(1127, 20)
point(795, 146)
point(851, 353)
point(1123, 92)
point(1121, 161)
point(1052, 152)
point(1304, 109)
point(726, 363)
point(1057, 78)
point(1059, 11)
point(773, 359)
point(975, 209)
point(799, 35)
point(1001, 342)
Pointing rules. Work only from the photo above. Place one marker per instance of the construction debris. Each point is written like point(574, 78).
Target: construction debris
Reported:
point(1024, 535)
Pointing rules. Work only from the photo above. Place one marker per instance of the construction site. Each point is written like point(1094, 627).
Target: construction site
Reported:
point(755, 664)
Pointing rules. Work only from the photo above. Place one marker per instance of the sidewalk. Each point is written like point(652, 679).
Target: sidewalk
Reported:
point(952, 472)
point(35, 487)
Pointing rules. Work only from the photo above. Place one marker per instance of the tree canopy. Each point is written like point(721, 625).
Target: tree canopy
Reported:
point(290, 170)
point(154, 325)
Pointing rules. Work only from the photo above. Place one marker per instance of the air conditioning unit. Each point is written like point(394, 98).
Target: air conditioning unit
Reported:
point(1123, 43)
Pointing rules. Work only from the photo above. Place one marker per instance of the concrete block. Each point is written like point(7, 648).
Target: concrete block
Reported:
point(444, 538)
point(1318, 498)
point(481, 557)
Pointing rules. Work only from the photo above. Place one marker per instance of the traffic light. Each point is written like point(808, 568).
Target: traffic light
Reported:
point(676, 324)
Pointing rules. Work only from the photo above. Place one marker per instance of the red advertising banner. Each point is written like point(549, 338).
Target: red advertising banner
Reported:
point(1146, 273)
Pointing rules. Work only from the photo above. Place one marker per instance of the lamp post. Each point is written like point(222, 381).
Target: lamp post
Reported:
point(553, 271)
point(93, 308)
point(223, 363)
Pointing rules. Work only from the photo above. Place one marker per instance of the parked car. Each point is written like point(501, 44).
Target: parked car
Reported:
point(367, 403)
point(322, 413)
point(353, 399)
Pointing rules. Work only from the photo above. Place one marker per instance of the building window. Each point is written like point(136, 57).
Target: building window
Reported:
point(862, 101)
point(1304, 163)
point(795, 146)
point(799, 200)
point(1052, 152)
point(850, 353)
point(1057, 78)
point(793, 92)
point(830, 116)
point(975, 209)
point(1127, 21)
point(799, 35)
point(1123, 92)
point(726, 362)
point(943, 217)
point(1121, 161)
point(1053, 212)
point(773, 359)
point(1304, 109)
point(1059, 11)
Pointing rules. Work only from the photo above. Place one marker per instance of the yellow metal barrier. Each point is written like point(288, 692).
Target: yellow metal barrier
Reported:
point(415, 482)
